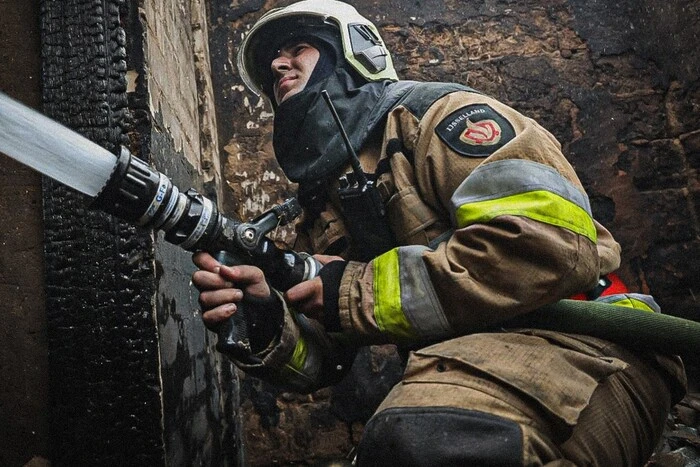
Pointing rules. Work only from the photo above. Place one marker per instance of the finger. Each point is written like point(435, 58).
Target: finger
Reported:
point(251, 278)
point(205, 280)
point(300, 292)
point(214, 298)
point(205, 261)
point(243, 273)
point(214, 317)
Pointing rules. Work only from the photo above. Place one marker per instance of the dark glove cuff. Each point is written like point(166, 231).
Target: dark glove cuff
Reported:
point(265, 317)
point(331, 274)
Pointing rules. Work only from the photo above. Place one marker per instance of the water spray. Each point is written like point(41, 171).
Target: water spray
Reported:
point(128, 188)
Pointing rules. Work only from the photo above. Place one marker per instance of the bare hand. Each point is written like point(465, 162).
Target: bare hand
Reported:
point(307, 297)
point(221, 287)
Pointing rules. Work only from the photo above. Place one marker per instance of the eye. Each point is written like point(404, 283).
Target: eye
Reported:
point(299, 48)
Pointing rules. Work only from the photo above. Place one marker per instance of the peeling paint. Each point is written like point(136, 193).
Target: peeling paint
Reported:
point(270, 175)
point(131, 79)
point(257, 203)
point(247, 184)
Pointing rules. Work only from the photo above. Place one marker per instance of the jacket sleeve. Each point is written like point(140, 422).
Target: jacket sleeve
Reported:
point(303, 358)
point(522, 230)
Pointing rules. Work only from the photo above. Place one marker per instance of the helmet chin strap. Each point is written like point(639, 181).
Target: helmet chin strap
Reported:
point(353, 37)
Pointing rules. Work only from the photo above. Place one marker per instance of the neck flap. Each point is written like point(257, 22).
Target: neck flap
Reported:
point(308, 144)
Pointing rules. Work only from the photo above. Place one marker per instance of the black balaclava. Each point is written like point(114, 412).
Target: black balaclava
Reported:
point(307, 142)
point(326, 60)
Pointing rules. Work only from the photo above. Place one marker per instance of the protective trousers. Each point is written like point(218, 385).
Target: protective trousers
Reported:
point(528, 398)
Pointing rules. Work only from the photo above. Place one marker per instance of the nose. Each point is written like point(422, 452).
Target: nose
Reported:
point(280, 64)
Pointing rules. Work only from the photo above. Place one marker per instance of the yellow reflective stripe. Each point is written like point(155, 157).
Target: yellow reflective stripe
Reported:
point(540, 205)
point(296, 363)
point(630, 302)
point(387, 296)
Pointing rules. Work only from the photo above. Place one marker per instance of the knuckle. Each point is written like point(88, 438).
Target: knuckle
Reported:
point(207, 300)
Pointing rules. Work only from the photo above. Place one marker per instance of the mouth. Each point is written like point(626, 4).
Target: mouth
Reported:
point(284, 84)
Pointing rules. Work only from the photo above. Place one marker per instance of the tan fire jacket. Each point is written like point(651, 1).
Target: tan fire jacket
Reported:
point(491, 222)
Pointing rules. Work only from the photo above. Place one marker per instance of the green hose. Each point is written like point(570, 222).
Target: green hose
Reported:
point(627, 326)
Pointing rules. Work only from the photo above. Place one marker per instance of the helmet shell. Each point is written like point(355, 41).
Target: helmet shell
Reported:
point(362, 46)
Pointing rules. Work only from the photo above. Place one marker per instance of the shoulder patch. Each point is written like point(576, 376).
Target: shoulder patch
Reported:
point(475, 130)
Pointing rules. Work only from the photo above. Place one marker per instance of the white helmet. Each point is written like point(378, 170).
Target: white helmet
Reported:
point(361, 45)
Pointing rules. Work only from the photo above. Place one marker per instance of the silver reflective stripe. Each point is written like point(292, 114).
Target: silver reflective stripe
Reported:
point(418, 298)
point(513, 176)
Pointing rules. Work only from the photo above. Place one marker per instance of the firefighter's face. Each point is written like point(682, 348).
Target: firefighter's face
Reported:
point(292, 69)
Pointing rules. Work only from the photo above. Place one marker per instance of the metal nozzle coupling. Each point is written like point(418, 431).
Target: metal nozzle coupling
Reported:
point(137, 193)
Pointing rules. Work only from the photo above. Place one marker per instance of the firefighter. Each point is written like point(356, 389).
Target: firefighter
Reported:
point(458, 214)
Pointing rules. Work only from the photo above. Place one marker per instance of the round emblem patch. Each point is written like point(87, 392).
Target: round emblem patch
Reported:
point(481, 133)
point(475, 130)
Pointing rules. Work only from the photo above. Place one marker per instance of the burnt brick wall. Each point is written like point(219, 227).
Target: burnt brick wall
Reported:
point(133, 378)
point(103, 370)
point(615, 82)
point(173, 95)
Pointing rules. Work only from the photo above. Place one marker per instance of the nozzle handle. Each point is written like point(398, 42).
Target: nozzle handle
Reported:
point(233, 338)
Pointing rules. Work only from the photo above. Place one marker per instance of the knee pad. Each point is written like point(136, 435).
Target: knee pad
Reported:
point(444, 436)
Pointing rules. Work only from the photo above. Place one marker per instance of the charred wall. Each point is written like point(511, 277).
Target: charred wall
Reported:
point(199, 388)
point(617, 84)
point(131, 377)
point(105, 404)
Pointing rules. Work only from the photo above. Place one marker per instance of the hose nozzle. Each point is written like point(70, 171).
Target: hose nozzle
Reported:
point(139, 194)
